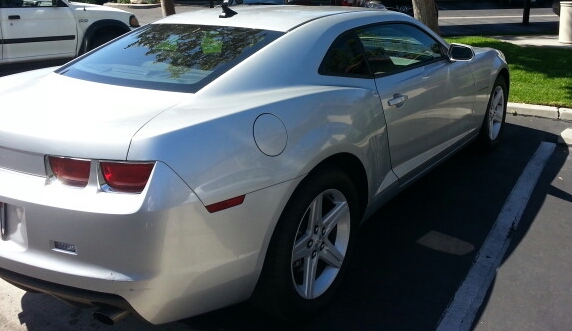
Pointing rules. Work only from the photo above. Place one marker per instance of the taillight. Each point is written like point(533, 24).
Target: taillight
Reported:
point(74, 172)
point(126, 176)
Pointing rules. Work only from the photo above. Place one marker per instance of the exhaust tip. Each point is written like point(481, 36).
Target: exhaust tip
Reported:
point(110, 316)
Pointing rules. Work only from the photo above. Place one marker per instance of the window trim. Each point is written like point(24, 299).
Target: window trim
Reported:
point(442, 47)
point(372, 75)
point(354, 36)
point(70, 70)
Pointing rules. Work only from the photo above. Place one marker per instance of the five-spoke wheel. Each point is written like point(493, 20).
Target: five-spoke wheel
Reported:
point(493, 124)
point(310, 246)
point(321, 244)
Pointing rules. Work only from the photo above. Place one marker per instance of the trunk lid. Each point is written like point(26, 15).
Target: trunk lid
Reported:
point(65, 116)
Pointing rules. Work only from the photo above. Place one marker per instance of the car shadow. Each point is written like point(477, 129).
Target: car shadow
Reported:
point(411, 256)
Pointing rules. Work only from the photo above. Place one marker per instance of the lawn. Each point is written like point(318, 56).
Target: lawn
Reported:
point(539, 75)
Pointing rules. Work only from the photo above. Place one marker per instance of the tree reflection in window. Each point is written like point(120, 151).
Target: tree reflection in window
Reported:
point(185, 47)
point(170, 57)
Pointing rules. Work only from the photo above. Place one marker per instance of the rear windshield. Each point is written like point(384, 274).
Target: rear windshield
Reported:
point(170, 57)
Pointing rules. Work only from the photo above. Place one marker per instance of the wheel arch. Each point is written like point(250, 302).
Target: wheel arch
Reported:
point(101, 27)
point(347, 163)
point(353, 167)
point(342, 164)
point(505, 74)
point(487, 139)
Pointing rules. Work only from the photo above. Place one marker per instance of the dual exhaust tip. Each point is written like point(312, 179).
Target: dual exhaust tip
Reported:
point(110, 316)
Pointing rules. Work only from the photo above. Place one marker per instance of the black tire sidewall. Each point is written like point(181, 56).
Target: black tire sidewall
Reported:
point(484, 138)
point(275, 292)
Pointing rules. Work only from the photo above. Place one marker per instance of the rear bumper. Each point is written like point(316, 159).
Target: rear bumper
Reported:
point(74, 296)
point(160, 254)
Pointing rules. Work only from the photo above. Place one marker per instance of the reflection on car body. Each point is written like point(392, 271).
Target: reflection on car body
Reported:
point(232, 157)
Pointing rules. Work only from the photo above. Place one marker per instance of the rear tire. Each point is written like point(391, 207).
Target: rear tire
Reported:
point(493, 123)
point(310, 248)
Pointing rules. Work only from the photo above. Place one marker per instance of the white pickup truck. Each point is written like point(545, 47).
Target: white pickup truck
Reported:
point(33, 30)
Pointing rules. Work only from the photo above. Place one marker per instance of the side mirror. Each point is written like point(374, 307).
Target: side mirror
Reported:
point(459, 52)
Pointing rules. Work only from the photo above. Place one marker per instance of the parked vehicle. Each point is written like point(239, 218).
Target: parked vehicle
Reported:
point(33, 30)
point(228, 157)
point(403, 6)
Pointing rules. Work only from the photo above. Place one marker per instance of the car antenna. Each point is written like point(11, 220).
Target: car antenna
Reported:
point(226, 12)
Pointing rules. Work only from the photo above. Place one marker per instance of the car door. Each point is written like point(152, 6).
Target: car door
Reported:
point(427, 99)
point(37, 29)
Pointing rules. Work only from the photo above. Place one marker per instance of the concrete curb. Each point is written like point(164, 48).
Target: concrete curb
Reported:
point(565, 114)
point(556, 113)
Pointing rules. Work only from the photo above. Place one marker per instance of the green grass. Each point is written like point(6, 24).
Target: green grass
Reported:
point(539, 75)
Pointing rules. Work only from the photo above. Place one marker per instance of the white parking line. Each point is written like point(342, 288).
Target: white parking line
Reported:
point(566, 137)
point(469, 297)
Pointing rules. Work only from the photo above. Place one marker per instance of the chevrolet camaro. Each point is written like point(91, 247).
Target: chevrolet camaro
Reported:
point(215, 157)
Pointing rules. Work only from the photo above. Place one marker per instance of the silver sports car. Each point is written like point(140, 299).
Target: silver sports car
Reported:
point(213, 157)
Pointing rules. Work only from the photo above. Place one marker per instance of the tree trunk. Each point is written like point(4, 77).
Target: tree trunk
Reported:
point(426, 12)
point(168, 7)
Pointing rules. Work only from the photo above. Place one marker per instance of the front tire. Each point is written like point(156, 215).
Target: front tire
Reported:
point(493, 123)
point(310, 248)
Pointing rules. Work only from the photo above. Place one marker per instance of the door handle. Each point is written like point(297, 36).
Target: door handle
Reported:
point(13, 17)
point(398, 100)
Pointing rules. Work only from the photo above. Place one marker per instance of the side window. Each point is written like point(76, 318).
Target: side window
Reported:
point(395, 47)
point(345, 58)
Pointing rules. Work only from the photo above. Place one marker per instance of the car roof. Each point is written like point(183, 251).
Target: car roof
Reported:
point(273, 17)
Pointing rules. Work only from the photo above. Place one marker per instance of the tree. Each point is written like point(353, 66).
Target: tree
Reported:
point(426, 12)
point(168, 7)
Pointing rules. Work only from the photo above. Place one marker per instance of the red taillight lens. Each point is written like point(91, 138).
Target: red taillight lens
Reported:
point(69, 171)
point(126, 177)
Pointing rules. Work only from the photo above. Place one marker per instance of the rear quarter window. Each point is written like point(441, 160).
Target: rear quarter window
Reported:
point(345, 58)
